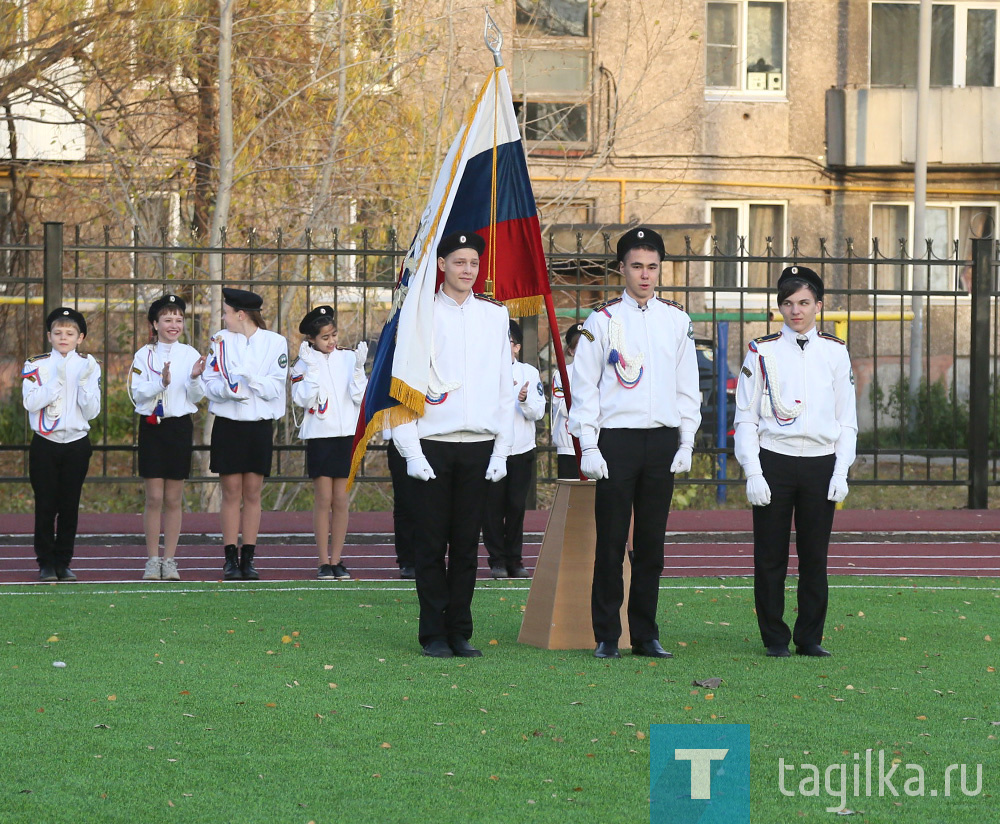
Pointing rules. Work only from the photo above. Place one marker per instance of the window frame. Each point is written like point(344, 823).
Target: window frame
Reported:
point(742, 92)
point(738, 296)
point(955, 208)
point(959, 46)
point(584, 97)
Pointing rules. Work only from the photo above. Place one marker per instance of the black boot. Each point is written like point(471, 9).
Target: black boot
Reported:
point(231, 569)
point(246, 562)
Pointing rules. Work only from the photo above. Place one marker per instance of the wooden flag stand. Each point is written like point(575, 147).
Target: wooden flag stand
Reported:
point(557, 615)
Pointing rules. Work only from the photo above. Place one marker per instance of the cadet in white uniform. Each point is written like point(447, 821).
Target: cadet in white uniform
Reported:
point(566, 463)
point(503, 522)
point(165, 386)
point(459, 444)
point(796, 432)
point(62, 392)
point(328, 383)
point(245, 384)
point(636, 408)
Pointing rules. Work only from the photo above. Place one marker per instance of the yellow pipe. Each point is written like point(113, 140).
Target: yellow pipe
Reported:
point(841, 318)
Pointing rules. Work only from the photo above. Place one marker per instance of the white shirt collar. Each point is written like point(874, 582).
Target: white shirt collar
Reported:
point(792, 335)
point(632, 303)
point(450, 301)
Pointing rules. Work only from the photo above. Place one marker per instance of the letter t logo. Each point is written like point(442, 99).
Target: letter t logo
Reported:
point(701, 769)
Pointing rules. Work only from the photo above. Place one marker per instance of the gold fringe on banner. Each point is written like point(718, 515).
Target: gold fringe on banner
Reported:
point(524, 307)
point(410, 401)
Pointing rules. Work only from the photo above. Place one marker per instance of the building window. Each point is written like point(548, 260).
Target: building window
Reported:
point(950, 227)
point(745, 47)
point(963, 44)
point(552, 74)
point(552, 18)
point(742, 229)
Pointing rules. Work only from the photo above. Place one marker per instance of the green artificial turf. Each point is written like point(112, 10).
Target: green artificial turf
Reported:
point(310, 702)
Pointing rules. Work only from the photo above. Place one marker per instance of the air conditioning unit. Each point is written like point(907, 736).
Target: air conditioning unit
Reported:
point(774, 82)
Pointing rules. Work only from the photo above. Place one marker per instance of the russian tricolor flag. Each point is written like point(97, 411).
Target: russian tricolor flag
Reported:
point(482, 187)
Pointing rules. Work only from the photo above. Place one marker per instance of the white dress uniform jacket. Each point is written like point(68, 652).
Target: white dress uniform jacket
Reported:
point(559, 417)
point(531, 409)
point(470, 398)
point(58, 405)
point(145, 380)
point(329, 388)
point(635, 368)
point(801, 400)
point(244, 378)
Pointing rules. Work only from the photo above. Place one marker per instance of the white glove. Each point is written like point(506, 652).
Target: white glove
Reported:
point(838, 488)
point(419, 468)
point(593, 465)
point(360, 355)
point(682, 460)
point(241, 393)
point(758, 492)
point(307, 354)
point(497, 470)
point(88, 370)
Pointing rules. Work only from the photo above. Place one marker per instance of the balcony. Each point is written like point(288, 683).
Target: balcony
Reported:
point(875, 128)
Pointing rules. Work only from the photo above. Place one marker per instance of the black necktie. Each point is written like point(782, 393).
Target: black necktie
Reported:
point(802, 343)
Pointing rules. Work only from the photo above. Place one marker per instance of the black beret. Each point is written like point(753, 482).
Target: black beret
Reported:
point(241, 299)
point(460, 240)
point(173, 301)
point(806, 274)
point(318, 312)
point(65, 313)
point(640, 236)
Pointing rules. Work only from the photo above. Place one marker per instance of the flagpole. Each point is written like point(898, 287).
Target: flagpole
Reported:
point(494, 42)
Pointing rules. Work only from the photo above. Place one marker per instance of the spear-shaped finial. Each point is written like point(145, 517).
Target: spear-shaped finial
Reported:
point(493, 37)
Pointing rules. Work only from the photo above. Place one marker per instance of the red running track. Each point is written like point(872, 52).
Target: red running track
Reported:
point(110, 548)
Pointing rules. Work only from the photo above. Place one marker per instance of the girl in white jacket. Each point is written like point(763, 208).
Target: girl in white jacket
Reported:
point(165, 386)
point(328, 383)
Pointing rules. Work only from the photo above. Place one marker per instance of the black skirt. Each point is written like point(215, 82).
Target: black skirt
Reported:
point(165, 448)
point(242, 446)
point(329, 457)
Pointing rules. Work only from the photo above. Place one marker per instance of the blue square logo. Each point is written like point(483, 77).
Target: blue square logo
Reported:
point(699, 773)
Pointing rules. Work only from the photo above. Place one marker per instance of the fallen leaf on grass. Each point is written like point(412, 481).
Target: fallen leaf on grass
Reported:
point(385, 745)
point(52, 639)
point(101, 727)
point(286, 639)
point(112, 697)
point(328, 666)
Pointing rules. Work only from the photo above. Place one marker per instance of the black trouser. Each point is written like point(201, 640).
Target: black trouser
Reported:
point(567, 467)
point(639, 479)
point(404, 520)
point(450, 513)
point(799, 486)
point(503, 520)
point(57, 472)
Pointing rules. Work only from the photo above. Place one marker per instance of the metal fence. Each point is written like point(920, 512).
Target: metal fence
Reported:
point(946, 434)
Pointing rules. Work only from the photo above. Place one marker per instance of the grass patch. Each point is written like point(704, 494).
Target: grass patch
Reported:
point(310, 703)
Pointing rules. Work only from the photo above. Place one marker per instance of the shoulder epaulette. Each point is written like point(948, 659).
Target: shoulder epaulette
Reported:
point(606, 304)
point(488, 298)
point(765, 338)
point(673, 303)
point(834, 338)
point(39, 357)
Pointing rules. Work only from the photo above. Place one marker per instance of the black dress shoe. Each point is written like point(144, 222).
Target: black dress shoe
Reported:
point(462, 648)
point(438, 649)
point(498, 572)
point(778, 651)
point(66, 575)
point(518, 572)
point(651, 649)
point(47, 573)
point(815, 650)
point(607, 649)
point(407, 573)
